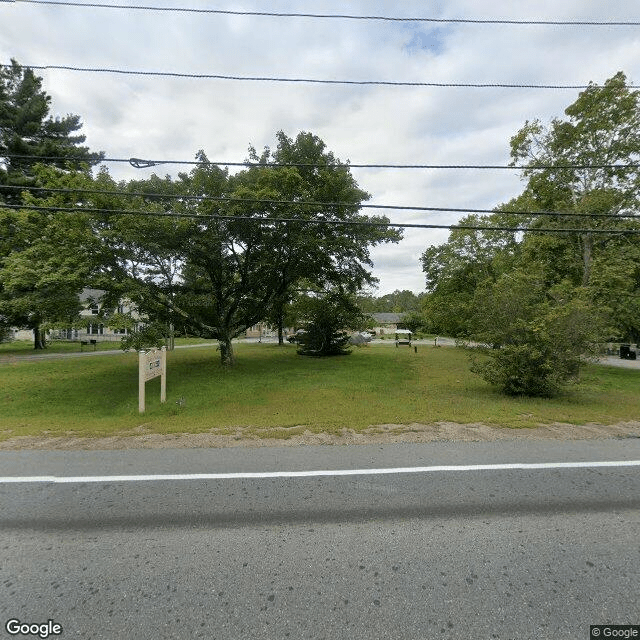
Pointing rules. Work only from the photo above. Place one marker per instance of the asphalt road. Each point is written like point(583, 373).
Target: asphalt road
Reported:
point(473, 554)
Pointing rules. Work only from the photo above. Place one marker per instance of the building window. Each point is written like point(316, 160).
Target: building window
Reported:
point(96, 329)
point(94, 308)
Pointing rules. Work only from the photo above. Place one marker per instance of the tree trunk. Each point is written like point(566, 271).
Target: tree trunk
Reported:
point(586, 259)
point(226, 351)
point(39, 339)
point(280, 327)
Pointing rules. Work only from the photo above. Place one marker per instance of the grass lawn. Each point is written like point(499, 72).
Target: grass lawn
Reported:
point(25, 347)
point(271, 386)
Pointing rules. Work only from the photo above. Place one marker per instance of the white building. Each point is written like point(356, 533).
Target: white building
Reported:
point(93, 314)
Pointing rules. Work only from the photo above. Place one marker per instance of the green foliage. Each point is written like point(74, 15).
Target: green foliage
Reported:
point(212, 277)
point(536, 337)
point(543, 300)
point(327, 320)
point(417, 322)
point(27, 129)
point(6, 334)
point(602, 128)
point(528, 369)
point(455, 269)
point(150, 336)
point(46, 258)
point(217, 277)
point(50, 258)
point(396, 302)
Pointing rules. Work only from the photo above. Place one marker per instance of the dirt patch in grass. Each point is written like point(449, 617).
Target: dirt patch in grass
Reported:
point(299, 436)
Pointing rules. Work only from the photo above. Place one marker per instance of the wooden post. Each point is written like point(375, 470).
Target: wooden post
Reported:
point(163, 375)
point(141, 380)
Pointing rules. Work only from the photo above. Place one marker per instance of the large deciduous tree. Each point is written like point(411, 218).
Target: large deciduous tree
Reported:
point(234, 264)
point(601, 132)
point(46, 256)
point(310, 251)
point(455, 269)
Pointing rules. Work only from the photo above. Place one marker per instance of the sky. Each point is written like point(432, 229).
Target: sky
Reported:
point(172, 118)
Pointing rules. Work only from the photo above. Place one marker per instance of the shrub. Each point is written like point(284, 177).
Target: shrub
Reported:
point(326, 320)
point(538, 337)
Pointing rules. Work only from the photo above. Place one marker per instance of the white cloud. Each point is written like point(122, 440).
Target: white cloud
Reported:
point(173, 118)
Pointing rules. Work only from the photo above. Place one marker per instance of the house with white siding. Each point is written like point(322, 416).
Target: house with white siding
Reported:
point(92, 326)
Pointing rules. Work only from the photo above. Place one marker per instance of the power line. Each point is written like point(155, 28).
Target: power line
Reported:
point(140, 163)
point(391, 83)
point(580, 23)
point(361, 223)
point(308, 203)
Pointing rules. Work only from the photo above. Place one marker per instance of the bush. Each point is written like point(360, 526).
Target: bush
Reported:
point(528, 369)
point(326, 320)
point(539, 338)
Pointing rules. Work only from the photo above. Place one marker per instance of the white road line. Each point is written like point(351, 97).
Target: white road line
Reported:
point(320, 473)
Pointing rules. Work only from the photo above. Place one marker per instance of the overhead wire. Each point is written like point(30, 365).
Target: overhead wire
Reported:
point(140, 163)
point(321, 221)
point(323, 81)
point(272, 14)
point(306, 203)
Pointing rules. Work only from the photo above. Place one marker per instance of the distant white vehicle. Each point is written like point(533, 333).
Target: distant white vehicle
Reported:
point(360, 337)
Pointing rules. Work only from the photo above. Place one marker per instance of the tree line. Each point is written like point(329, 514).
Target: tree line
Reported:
point(209, 253)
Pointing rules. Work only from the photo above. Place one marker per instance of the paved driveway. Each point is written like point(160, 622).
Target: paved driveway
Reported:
point(611, 361)
point(615, 361)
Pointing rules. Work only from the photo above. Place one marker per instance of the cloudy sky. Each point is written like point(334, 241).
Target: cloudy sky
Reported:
point(171, 118)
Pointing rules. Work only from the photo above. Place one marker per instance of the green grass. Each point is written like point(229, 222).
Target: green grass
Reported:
point(25, 347)
point(272, 389)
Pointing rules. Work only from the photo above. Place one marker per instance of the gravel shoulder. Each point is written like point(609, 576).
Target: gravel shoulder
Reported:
point(378, 434)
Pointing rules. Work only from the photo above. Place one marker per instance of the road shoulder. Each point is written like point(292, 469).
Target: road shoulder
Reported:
point(377, 434)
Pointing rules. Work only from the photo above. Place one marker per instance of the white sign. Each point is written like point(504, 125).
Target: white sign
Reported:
point(152, 364)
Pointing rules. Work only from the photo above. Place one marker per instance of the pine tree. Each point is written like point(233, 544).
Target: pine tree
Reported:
point(45, 257)
point(29, 134)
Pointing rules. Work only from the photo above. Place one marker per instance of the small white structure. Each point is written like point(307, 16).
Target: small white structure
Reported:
point(403, 336)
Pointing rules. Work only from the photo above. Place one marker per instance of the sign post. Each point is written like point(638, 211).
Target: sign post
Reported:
point(152, 364)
